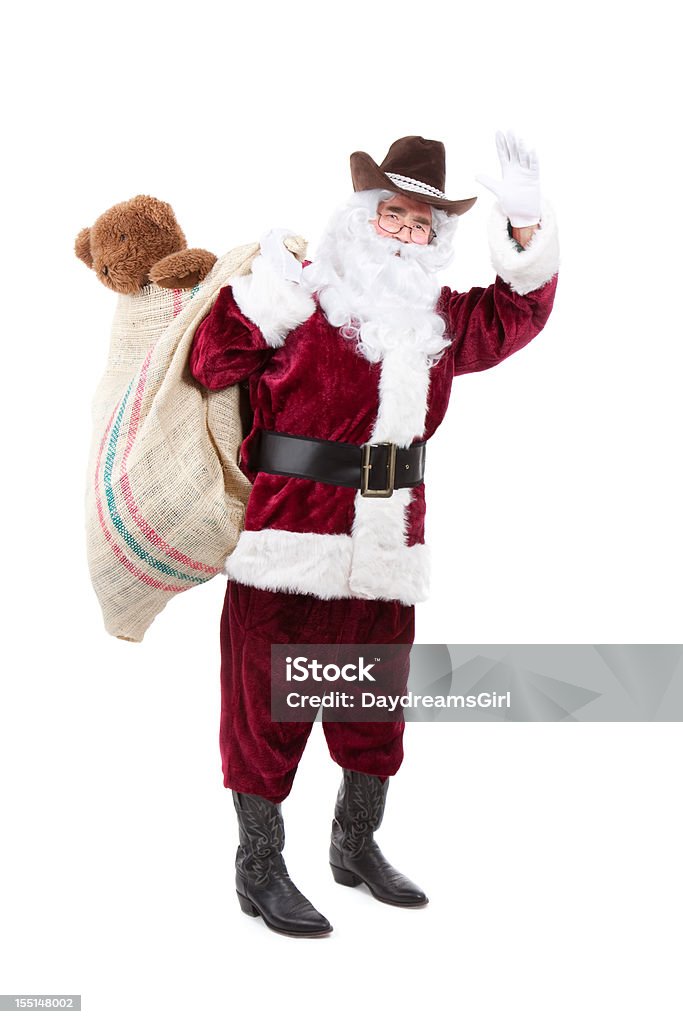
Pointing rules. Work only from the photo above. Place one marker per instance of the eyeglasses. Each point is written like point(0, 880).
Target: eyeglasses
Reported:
point(422, 234)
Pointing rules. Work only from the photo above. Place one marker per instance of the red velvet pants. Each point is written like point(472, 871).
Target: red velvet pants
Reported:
point(260, 756)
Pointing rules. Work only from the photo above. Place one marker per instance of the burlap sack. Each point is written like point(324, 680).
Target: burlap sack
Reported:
point(164, 498)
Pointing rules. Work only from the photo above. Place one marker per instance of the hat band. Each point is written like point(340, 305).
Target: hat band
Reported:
point(415, 186)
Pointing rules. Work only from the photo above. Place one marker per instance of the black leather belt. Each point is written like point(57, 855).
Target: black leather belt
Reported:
point(376, 469)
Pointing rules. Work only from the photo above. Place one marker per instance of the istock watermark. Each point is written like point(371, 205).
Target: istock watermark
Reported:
point(477, 683)
point(303, 669)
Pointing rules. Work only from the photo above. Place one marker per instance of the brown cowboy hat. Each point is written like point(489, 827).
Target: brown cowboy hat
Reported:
point(413, 167)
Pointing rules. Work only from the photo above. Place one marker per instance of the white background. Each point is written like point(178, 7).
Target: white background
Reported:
point(550, 852)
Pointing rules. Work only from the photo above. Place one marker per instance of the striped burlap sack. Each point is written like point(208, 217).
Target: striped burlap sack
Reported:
point(164, 496)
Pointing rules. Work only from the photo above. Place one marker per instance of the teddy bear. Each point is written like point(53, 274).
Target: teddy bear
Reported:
point(139, 242)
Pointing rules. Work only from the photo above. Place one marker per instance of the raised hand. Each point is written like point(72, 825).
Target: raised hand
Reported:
point(519, 192)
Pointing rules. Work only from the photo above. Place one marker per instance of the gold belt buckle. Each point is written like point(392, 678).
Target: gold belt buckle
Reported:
point(366, 466)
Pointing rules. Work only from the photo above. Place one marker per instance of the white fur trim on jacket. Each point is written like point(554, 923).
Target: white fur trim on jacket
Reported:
point(538, 263)
point(384, 565)
point(299, 563)
point(335, 565)
point(276, 306)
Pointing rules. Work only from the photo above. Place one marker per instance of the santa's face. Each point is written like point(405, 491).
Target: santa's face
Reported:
point(405, 219)
point(378, 300)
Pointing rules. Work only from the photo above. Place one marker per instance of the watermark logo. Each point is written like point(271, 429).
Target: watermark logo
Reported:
point(303, 669)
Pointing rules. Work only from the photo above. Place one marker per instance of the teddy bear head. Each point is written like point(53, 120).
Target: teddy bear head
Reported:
point(127, 240)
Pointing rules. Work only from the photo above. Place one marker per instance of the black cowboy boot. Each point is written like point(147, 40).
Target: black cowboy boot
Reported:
point(263, 885)
point(355, 857)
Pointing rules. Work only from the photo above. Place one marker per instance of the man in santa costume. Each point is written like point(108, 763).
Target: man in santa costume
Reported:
point(349, 363)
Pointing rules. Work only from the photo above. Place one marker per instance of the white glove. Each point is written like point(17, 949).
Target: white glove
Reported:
point(519, 193)
point(278, 256)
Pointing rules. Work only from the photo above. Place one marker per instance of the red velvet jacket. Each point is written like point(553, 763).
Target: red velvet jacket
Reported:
point(305, 378)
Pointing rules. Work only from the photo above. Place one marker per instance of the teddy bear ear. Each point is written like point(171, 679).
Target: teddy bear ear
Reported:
point(159, 212)
point(82, 247)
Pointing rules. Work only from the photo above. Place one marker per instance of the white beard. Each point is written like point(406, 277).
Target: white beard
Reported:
point(379, 291)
